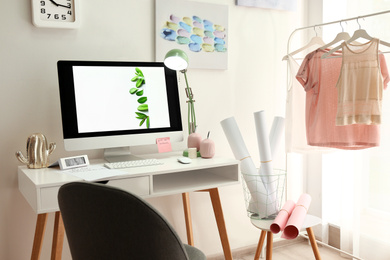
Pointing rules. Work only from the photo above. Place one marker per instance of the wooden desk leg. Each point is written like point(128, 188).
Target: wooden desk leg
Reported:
point(58, 237)
point(260, 244)
point(313, 243)
point(38, 237)
point(187, 215)
point(216, 202)
point(270, 241)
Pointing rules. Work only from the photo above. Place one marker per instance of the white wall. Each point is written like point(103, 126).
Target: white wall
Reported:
point(124, 30)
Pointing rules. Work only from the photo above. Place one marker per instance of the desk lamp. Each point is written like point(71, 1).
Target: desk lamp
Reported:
point(178, 60)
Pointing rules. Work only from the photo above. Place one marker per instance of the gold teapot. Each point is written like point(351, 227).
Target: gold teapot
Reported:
point(38, 151)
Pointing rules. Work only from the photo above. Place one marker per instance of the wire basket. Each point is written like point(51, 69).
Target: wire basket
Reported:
point(264, 194)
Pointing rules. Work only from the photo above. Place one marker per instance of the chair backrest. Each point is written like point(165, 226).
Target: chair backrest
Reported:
point(103, 222)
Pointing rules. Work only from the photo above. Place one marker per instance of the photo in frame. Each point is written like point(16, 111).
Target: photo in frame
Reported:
point(199, 29)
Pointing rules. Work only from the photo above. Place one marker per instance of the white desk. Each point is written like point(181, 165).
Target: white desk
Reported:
point(40, 188)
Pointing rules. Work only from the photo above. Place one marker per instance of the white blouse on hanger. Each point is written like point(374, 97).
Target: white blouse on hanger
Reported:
point(360, 85)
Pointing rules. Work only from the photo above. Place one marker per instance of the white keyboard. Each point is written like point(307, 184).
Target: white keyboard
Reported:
point(130, 164)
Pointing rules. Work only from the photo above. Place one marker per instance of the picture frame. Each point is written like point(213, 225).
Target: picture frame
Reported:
point(199, 29)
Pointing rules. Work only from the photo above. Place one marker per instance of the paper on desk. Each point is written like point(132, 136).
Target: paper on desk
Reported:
point(94, 172)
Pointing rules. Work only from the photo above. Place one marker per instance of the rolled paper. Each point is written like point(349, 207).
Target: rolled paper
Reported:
point(248, 168)
point(297, 217)
point(263, 143)
point(281, 219)
point(234, 138)
point(275, 135)
point(266, 169)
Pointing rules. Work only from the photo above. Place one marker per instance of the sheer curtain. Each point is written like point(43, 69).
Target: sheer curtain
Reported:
point(360, 182)
point(351, 189)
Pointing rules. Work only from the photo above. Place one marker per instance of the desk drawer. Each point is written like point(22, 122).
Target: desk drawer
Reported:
point(136, 185)
point(48, 199)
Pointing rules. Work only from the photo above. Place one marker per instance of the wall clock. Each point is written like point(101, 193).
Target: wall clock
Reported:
point(56, 13)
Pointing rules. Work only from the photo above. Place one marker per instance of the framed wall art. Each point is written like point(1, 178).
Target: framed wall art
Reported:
point(199, 29)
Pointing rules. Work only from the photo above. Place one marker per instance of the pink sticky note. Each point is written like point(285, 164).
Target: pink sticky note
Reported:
point(164, 144)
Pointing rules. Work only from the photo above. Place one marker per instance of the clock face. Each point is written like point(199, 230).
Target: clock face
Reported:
point(57, 10)
point(55, 13)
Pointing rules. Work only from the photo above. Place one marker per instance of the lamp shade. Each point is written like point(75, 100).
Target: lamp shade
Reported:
point(176, 60)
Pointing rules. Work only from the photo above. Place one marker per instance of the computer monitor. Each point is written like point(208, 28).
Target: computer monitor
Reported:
point(113, 105)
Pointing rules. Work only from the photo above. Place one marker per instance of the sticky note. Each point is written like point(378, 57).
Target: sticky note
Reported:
point(164, 144)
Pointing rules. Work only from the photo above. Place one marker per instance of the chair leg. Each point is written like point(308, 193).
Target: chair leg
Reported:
point(260, 244)
point(187, 215)
point(313, 243)
point(270, 240)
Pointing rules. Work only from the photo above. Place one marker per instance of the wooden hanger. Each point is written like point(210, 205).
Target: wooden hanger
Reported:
point(316, 40)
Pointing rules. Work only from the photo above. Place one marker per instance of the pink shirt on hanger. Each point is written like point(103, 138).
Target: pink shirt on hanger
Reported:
point(319, 77)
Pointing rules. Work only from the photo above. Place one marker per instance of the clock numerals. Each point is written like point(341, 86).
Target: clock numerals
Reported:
point(43, 10)
point(56, 10)
point(56, 13)
point(57, 16)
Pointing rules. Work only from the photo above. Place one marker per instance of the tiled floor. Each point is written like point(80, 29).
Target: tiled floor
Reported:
point(298, 251)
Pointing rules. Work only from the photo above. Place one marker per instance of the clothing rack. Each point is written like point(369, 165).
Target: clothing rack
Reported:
point(333, 22)
point(288, 51)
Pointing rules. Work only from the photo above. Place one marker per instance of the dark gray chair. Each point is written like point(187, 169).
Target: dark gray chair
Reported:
point(103, 222)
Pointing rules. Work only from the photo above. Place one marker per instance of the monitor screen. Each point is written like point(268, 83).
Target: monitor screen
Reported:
point(108, 104)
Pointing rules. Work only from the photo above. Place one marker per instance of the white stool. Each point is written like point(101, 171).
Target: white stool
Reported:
point(264, 225)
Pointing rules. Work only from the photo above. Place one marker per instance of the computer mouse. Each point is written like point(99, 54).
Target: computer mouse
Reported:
point(184, 160)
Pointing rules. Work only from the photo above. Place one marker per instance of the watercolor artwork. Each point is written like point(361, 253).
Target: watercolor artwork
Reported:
point(288, 5)
point(199, 29)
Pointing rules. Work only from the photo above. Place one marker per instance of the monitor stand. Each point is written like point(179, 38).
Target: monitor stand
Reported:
point(119, 154)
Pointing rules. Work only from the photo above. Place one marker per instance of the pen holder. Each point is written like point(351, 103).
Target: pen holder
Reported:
point(264, 194)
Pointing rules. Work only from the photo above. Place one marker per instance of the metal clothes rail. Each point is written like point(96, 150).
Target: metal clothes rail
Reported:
point(333, 22)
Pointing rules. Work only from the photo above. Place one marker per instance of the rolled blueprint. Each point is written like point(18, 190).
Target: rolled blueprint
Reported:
point(297, 217)
point(266, 169)
point(248, 168)
point(281, 219)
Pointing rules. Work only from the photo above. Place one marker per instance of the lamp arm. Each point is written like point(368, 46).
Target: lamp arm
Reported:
point(191, 108)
